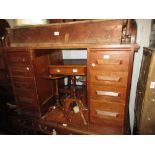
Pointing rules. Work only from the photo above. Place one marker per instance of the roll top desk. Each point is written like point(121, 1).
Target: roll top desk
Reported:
point(36, 51)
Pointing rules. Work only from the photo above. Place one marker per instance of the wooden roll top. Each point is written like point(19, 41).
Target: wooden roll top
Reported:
point(84, 33)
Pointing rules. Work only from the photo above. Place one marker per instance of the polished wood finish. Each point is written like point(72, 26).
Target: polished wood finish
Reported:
point(110, 46)
point(108, 103)
point(26, 70)
point(79, 32)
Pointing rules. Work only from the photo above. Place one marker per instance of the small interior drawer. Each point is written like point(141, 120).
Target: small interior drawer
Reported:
point(68, 69)
point(2, 65)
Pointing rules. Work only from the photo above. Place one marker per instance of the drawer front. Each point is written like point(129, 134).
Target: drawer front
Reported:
point(3, 78)
point(109, 60)
point(26, 99)
point(25, 93)
point(23, 83)
point(68, 70)
point(108, 78)
point(106, 113)
point(2, 65)
point(27, 103)
point(112, 94)
point(18, 58)
point(24, 71)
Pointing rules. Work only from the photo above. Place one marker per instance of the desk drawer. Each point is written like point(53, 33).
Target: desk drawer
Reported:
point(3, 78)
point(18, 71)
point(18, 58)
point(23, 83)
point(68, 69)
point(108, 78)
point(27, 104)
point(108, 93)
point(106, 113)
point(109, 60)
point(26, 99)
point(2, 65)
point(25, 93)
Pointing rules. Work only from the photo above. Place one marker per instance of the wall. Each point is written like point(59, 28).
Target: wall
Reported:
point(143, 34)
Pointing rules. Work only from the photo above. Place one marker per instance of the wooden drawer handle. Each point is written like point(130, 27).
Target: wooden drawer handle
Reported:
point(107, 93)
point(108, 62)
point(108, 78)
point(106, 113)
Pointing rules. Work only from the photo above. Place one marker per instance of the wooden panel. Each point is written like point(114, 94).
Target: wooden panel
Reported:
point(2, 65)
point(145, 64)
point(108, 78)
point(103, 112)
point(102, 31)
point(138, 106)
point(109, 60)
point(45, 88)
point(145, 97)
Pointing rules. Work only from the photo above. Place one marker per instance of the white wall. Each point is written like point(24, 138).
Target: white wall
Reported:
point(74, 54)
point(143, 34)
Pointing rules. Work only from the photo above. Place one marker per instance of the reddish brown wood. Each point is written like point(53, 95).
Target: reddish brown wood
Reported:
point(104, 95)
point(6, 92)
point(110, 52)
point(26, 69)
point(77, 32)
point(68, 69)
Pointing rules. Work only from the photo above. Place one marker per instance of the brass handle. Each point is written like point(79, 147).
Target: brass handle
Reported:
point(106, 113)
point(107, 93)
point(108, 78)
